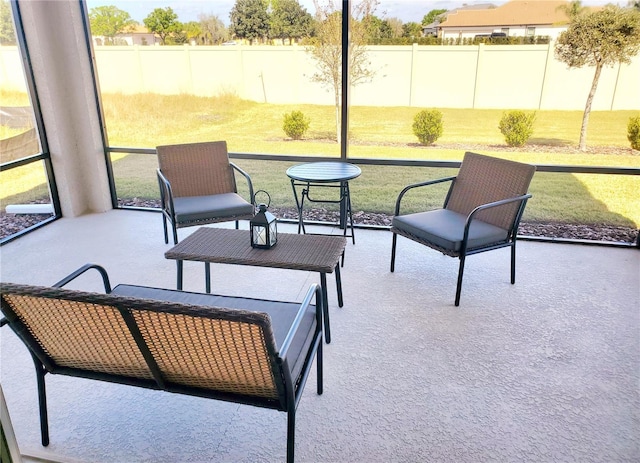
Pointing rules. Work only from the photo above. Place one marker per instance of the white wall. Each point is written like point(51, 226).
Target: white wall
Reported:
point(514, 31)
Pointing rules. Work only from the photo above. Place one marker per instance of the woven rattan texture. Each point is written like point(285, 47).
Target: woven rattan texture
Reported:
point(484, 179)
point(197, 169)
point(313, 253)
point(197, 346)
point(212, 354)
point(81, 335)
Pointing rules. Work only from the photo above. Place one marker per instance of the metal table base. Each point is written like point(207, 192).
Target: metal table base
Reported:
point(324, 175)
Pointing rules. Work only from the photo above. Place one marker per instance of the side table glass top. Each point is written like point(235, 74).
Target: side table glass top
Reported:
point(324, 172)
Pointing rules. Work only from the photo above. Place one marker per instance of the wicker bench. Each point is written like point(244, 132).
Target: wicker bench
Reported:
point(242, 350)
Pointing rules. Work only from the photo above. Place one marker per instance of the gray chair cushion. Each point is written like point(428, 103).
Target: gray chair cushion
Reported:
point(282, 315)
point(195, 208)
point(445, 229)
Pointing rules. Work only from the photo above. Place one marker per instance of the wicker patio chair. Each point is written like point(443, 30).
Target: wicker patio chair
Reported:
point(198, 186)
point(481, 212)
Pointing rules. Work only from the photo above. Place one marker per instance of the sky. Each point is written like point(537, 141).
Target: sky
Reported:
point(188, 10)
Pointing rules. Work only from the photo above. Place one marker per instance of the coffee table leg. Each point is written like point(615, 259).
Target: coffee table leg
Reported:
point(325, 307)
point(339, 285)
point(179, 284)
point(207, 277)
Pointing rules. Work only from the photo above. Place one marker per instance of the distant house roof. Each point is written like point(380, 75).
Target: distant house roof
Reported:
point(431, 29)
point(441, 17)
point(477, 6)
point(133, 35)
point(138, 29)
point(513, 13)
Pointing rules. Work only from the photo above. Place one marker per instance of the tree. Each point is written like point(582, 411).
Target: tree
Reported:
point(7, 34)
point(602, 38)
point(192, 31)
point(431, 16)
point(249, 20)
point(214, 31)
point(376, 28)
point(573, 9)
point(109, 21)
point(326, 49)
point(289, 20)
point(412, 30)
point(396, 27)
point(164, 22)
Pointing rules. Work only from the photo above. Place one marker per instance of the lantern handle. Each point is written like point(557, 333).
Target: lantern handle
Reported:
point(255, 204)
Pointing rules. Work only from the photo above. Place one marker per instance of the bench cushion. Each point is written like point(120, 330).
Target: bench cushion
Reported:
point(196, 208)
point(282, 315)
point(445, 229)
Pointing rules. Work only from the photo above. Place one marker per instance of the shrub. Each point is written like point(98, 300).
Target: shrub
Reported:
point(633, 132)
point(295, 124)
point(427, 126)
point(517, 127)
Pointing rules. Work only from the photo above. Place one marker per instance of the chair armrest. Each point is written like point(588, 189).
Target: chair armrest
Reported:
point(313, 289)
point(247, 177)
point(166, 194)
point(80, 271)
point(416, 185)
point(501, 202)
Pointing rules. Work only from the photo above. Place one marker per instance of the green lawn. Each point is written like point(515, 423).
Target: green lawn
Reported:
point(149, 120)
point(558, 197)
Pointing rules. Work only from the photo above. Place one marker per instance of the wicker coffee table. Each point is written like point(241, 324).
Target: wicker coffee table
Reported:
point(311, 253)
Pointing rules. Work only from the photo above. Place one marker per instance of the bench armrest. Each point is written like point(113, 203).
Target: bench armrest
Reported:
point(80, 271)
point(73, 276)
point(313, 289)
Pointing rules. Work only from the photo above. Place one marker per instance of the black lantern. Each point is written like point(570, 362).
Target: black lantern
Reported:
point(264, 228)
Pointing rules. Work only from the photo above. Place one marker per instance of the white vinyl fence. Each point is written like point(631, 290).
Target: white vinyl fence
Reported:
point(475, 76)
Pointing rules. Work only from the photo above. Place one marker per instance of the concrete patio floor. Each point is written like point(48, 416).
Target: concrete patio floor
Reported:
point(546, 370)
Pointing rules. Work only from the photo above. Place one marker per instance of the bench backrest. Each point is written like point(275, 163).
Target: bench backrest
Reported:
point(207, 351)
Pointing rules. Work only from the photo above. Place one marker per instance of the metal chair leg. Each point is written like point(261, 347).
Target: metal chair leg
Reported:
point(42, 401)
point(319, 369)
point(513, 263)
point(175, 233)
point(459, 286)
point(393, 251)
point(164, 226)
point(291, 433)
